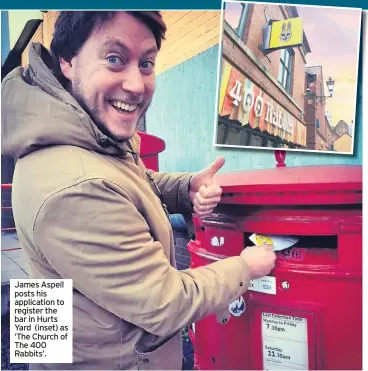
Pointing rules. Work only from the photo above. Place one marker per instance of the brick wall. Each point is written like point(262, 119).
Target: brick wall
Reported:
point(310, 119)
point(298, 78)
point(316, 110)
point(43, 34)
point(189, 33)
point(236, 56)
point(253, 38)
point(48, 27)
point(324, 133)
point(320, 113)
point(255, 69)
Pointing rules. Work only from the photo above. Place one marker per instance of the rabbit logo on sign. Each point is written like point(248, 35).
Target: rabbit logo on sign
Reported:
point(237, 307)
point(285, 35)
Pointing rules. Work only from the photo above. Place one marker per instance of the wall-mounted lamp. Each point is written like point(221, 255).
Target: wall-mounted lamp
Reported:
point(330, 86)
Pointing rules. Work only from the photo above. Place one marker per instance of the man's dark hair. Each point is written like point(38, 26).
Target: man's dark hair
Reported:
point(72, 29)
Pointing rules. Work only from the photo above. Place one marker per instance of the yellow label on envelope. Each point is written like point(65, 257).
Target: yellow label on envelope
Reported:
point(263, 240)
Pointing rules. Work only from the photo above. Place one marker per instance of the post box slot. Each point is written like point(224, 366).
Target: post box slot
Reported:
point(309, 251)
point(317, 242)
point(308, 242)
point(244, 210)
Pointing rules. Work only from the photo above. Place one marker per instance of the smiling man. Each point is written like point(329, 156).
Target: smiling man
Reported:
point(86, 208)
point(115, 104)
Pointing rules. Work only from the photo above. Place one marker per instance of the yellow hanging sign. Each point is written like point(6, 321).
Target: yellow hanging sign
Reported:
point(288, 32)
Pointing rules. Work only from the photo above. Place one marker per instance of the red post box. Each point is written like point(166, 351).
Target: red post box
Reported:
point(307, 314)
point(151, 146)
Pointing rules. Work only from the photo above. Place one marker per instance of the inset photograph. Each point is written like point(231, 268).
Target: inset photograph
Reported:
point(288, 77)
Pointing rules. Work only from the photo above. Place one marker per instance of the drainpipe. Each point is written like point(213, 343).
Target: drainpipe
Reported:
point(243, 19)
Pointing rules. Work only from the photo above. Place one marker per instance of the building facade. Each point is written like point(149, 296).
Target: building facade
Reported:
point(261, 96)
point(319, 131)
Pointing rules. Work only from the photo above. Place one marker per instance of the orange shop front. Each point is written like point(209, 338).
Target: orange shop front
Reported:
point(249, 117)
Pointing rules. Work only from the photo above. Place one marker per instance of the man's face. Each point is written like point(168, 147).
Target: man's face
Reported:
point(112, 76)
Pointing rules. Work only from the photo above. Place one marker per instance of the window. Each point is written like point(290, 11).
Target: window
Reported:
point(255, 141)
point(244, 137)
point(234, 136)
point(285, 69)
point(235, 15)
point(222, 130)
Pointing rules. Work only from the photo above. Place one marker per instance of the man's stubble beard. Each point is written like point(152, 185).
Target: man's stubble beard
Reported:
point(77, 91)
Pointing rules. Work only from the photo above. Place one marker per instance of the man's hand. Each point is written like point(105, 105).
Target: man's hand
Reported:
point(204, 192)
point(260, 259)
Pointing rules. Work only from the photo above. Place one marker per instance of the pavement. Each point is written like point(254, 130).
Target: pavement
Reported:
point(13, 262)
point(13, 266)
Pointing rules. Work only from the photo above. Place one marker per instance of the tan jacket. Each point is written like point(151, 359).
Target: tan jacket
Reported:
point(85, 209)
